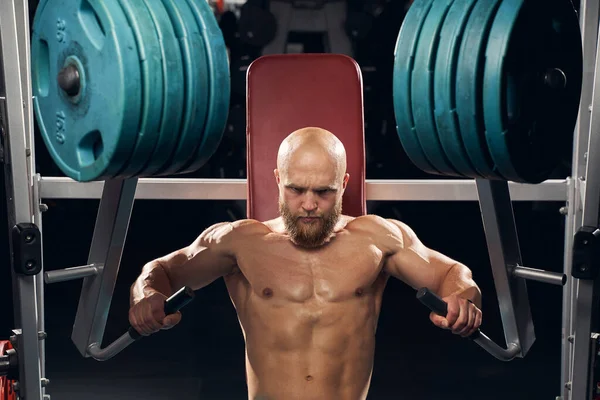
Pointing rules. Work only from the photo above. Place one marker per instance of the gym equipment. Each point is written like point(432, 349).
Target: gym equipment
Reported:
point(239, 68)
point(26, 189)
point(515, 88)
point(445, 99)
point(468, 88)
point(196, 70)
point(404, 56)
point(326, 17)
point(108, 86)
point(151, 84)
point(83, 114)
point(358, 24)
point(440, 307)
point(173, 89)
point(257, 25)
point(339, 83)
point(421, 91)
point(532, 86)
point(173, 304)
point(8, 373)
point(219, 86)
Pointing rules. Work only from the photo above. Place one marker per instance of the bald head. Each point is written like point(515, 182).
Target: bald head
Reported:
point(311, 175)
point(312, 146)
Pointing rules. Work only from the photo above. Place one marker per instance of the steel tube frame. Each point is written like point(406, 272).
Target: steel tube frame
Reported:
point(235, 189)
point(585, 193)
point(25, 190)
point(18, 168)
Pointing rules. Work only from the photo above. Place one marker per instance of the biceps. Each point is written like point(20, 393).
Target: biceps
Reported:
point(419, 266)
point(197, 266)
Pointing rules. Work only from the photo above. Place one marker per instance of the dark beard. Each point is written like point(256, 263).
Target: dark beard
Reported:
point(312, 235)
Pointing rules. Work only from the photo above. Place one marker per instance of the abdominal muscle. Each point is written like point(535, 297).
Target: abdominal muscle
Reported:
point(301, 351)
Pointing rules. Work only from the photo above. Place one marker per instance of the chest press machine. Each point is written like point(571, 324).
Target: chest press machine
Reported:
point(457, 116)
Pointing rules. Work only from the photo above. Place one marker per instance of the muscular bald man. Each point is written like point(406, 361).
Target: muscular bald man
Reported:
point(307, 286)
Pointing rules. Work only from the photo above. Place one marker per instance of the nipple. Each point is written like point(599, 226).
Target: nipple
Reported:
point(358, 292)
point(267, 292)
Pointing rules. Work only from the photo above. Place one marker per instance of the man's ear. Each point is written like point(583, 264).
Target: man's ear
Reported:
point(277, 178)
point(346, 178)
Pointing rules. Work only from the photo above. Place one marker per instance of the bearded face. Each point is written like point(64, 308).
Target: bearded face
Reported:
point(310, 229)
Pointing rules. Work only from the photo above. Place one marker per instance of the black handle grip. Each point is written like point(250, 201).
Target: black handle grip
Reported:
point(173, 304)
point(438, 306)
point(432, 301)
point(178, 300)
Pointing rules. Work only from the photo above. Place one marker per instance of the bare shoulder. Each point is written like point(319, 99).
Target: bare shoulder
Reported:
point(385, 232)
point(373, 224)
point(251, 226)
point(229, 232)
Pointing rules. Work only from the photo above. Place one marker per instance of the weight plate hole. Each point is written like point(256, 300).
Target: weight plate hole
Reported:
point(43, 68)
point(90, 148)
point(92, 25)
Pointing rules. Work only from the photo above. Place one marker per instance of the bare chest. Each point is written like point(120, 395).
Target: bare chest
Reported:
point(334, 273)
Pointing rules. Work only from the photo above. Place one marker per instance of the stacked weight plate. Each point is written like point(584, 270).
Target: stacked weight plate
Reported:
point(6, 385)
point(488, 88)
point(129, 88)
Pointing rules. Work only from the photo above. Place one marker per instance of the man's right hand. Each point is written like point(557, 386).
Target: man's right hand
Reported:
point(148, 315)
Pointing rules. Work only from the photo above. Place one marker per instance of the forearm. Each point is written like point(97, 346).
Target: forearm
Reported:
point(459, 281)
point(154, 278)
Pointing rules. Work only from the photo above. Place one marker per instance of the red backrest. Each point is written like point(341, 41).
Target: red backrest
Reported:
point(291, 91)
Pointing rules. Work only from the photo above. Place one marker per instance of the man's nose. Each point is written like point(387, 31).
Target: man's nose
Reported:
point(309, 203)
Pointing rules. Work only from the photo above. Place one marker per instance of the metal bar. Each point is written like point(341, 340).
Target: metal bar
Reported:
point(23, 37)
point(588, 18)
point(39, 278)
point(110, 231)
point(587, 291)
point(512, 350)
point(22, 16)
point(581, 378)
point(440, 307)
point(235, 189)
point(99, 354)
point(553, 278)
point(504, 252)
point(572, 219)
point(174, 303)
point(19, 186)
point(69, 274)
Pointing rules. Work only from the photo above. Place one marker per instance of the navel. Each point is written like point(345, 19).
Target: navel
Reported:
point(309, 378)
point(358, 292)
point(267, 292)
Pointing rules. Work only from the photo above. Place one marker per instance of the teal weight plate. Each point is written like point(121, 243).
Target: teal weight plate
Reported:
point(173, 89)
point(404, 54)
point(220, 86)
point(444, 77)
point(196, 84)
point(144, 31)
point(533, 76)
point(469, 87)
point(91, 133)
point(422, 99)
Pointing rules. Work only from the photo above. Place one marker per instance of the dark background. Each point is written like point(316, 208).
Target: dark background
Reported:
point(203, 357)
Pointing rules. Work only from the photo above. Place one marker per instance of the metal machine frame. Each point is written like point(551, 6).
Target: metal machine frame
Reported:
point(26, 189)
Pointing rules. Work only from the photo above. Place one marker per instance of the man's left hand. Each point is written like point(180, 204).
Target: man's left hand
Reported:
point(463, 317)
